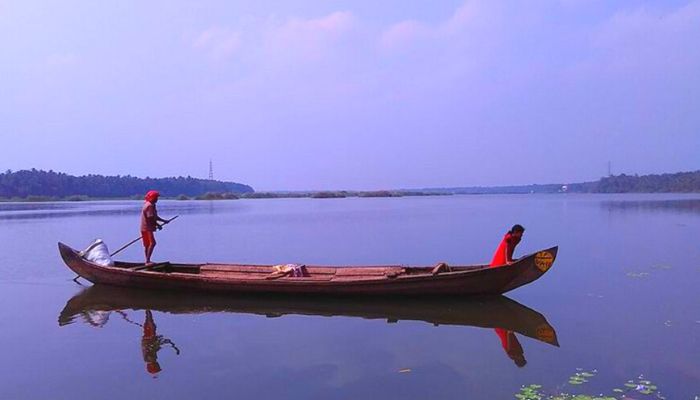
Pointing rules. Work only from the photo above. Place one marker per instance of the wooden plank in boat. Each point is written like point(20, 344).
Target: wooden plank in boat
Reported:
point(235, 268)
point(345, 270)
point(315, 278)
point(353, 278)
point(154, 267)
point(368, 271)
point(321, 270)
point(241, 276)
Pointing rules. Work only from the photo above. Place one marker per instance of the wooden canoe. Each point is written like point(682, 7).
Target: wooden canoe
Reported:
point(366, 280)
point(480, 311)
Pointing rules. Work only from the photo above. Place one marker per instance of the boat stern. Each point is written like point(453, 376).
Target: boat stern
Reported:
point(532, 267)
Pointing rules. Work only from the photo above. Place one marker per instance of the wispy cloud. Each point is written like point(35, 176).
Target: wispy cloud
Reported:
point(403, 33)
point(218, 42)
point(304, 40)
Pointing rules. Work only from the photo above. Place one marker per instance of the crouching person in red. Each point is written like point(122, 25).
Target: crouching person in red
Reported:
point(504, 252)
point(149, 224)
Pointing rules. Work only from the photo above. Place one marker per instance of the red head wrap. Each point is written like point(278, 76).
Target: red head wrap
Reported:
point(152, 195)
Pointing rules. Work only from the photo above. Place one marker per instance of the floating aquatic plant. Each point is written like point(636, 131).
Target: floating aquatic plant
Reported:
point(640, 386)
point(530, 392)
point(637, 274)
point(581, 377)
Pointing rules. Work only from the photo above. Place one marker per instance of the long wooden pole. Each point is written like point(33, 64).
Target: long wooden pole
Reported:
point(126, 245)
point(138, 238)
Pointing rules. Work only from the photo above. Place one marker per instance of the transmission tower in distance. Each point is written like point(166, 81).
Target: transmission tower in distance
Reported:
point(211, 170)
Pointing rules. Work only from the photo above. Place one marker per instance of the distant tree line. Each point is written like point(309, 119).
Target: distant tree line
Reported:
point(522, 189)
point(681, 182)
point(39, 184)
point(684, 182)
point(49, 185)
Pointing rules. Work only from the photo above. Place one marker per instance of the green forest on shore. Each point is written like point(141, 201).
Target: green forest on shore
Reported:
point(38, 185)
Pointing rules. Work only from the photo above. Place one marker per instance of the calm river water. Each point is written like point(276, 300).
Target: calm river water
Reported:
point(622, 299)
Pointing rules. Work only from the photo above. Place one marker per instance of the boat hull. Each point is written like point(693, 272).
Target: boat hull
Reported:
point(468, 280)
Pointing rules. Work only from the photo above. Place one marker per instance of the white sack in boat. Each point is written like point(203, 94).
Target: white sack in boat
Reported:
point(98, 253)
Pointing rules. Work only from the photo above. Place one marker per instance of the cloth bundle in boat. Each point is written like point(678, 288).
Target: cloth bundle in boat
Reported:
point(296, 270)
point(98, 253)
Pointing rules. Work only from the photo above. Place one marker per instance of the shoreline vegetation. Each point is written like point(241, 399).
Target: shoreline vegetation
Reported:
point(232, 196)
point(45, 186)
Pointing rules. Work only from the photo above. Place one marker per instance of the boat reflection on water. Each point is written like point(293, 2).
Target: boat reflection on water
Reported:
point(505, 316)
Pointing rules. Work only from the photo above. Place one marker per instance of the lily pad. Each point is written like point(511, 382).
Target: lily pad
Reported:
point(637, 274)
point(640, 386)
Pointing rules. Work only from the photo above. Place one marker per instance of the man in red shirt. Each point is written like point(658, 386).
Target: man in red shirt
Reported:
point(149, 223)
point(504, 252)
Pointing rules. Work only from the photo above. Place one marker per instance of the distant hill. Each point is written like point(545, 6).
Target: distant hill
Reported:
point(37, 183)
point(680, 182)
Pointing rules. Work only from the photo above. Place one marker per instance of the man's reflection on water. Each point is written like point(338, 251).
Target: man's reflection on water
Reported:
point(512, 346)
point(151, 343)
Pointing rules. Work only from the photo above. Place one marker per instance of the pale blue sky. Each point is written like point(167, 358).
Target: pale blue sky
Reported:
point(351, 94)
